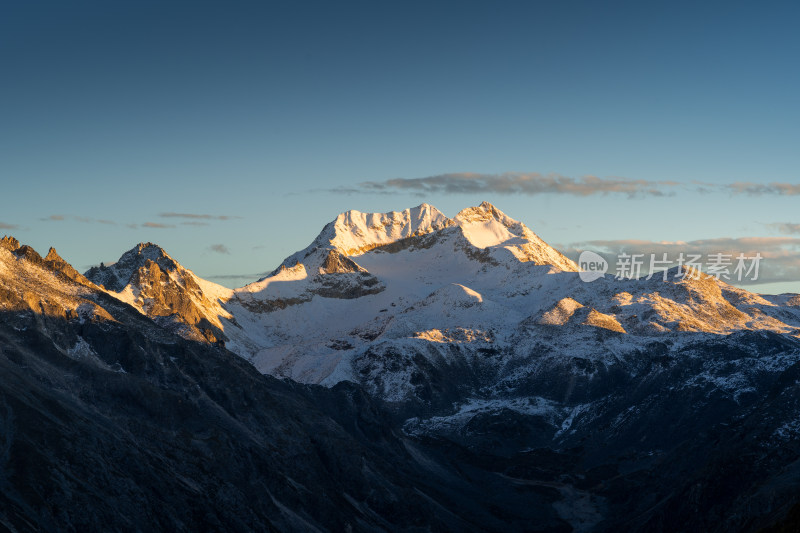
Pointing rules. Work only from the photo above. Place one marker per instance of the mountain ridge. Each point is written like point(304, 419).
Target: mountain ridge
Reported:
point(483, 363)
point(358, 283)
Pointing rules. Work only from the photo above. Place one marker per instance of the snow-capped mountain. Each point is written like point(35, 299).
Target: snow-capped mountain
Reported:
point(453, 320)
point(367, 277)
point(380, 299)
point(466, 348)
point(391, 300)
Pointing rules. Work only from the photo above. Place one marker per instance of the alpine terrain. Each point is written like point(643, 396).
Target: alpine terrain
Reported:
point(406, 371)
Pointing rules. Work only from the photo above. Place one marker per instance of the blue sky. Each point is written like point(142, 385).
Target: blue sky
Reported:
point(265, 119)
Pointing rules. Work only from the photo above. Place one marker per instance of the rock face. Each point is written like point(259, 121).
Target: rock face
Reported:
point(153, 282)
point(9, 243)
point(117, 276)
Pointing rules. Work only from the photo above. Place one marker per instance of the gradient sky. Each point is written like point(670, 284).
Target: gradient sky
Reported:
point(264, 120)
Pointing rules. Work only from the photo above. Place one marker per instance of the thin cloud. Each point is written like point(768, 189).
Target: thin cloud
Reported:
point(219, 249)
point(196, 216)
point(78, 218)
point(780, 255)
point(786, 228)
point(3, 225)
point(157, 225)
point(188, 219)
point(702, 245)
point(529, 184)
point(252, 277)
point(534, 183)
point(761, 189)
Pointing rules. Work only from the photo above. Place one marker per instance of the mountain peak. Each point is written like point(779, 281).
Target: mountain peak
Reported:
point(483, 213)
point(147, 278)
point(9, 243)
point(52, 255)
point(145, 251)
point(354, 232)
point(485, 226)
point(58, 264)
point(148, 250)
point(116, 276)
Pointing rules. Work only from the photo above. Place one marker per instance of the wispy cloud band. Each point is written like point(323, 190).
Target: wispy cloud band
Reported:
point(762, 189)
point(786, 228)
point(531, 183)
point(157, 225)
point(77, 218)
point(219, 249)
point(196, 216)
point(534, 183)
point(185, 219)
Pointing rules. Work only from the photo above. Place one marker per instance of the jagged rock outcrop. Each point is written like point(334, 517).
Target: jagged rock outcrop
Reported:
point(337, 263)
point(57, 263)
point(153, 282)
point(117, 276)
point(9, 243)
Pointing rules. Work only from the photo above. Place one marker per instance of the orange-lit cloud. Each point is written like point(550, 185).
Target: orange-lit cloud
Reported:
point(196, 216)
point(157, 225)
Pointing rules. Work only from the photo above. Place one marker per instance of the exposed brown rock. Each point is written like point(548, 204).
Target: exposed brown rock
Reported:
point(267, 306)
point(28, 253)
point(602, 320)
point(56, 263)
point(9, 243)
point(336, 262)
